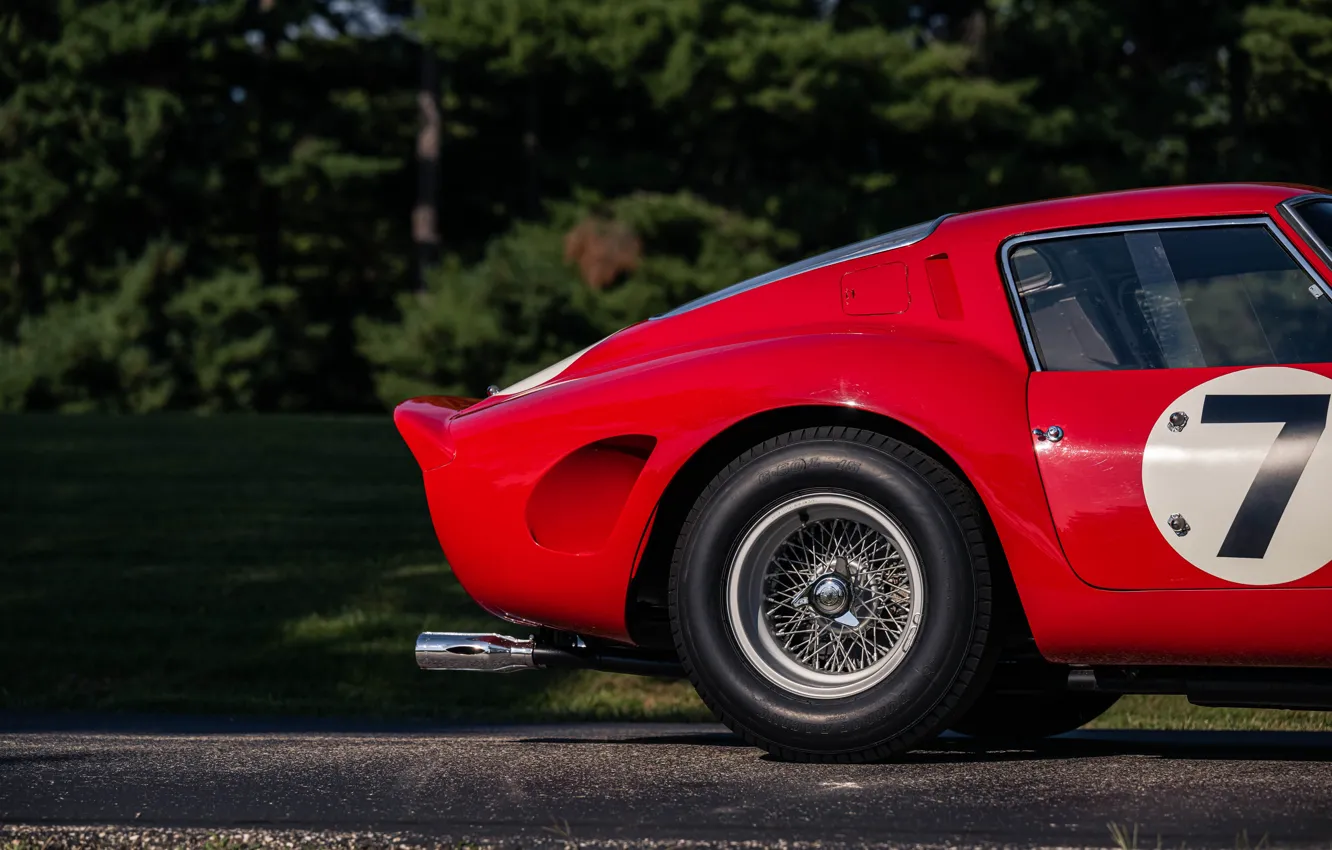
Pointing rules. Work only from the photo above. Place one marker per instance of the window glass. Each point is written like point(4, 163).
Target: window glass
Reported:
point(1170, 298)
point(1318, 215)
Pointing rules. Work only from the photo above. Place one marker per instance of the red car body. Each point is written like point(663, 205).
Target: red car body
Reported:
point(551, 502)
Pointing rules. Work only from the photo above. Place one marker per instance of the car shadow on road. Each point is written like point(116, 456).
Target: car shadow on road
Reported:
point(1185, 745)
point(1190, 745)
point(689, 739)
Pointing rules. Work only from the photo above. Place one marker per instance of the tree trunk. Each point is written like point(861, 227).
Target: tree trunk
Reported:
point(425, 215)
point(267, 220)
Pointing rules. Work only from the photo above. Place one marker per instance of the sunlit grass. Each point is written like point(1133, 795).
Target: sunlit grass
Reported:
point(1170, 712)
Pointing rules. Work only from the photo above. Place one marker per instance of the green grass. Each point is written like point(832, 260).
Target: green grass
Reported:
point(246, 564)
point(278, 565)
point(1166, 712)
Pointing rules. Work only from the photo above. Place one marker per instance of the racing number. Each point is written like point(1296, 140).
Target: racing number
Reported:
point(1305, 418)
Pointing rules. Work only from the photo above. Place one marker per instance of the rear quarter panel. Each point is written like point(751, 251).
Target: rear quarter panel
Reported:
point(969, 399)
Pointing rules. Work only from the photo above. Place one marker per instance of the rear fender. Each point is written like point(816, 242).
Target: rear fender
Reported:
point(966, 399)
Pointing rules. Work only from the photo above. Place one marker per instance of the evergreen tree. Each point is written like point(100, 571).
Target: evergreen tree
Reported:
point(210, 205)
point(545, 290)
point(836, 128)
point(148, 149)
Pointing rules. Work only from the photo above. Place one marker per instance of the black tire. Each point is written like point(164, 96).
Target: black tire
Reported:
point(951, 654)
point(1017, 717)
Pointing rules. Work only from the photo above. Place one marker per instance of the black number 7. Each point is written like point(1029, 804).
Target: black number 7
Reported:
point(1305, 418)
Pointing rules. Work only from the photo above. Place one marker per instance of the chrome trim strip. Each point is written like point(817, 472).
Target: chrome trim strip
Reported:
point(1006, 252)
point(1306, 198)
point(889, 241)
point(1290, 212)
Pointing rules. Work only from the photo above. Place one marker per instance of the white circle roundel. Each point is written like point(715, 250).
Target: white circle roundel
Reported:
point(1239, 488)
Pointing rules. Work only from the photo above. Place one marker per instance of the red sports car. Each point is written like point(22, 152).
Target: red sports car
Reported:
point(986, 473)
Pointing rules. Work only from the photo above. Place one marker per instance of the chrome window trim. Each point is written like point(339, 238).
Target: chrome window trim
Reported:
point(1015, 300)
point(1289, 209)
point(890, 241)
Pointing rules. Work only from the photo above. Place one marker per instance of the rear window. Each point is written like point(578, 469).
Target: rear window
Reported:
point(883, 242)
point(1168, 298)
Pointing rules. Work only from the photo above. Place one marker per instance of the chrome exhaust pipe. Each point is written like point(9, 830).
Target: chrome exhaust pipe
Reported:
point(500, 653)
point(459, 651)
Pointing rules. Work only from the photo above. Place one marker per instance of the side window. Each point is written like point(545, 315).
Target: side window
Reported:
point(1170, 298)
point(1317, 217)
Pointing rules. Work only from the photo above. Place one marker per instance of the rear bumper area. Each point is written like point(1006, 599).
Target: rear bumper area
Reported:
point(540, 522)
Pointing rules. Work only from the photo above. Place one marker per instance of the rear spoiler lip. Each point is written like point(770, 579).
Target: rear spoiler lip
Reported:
point(424, 425)
point(448, 402)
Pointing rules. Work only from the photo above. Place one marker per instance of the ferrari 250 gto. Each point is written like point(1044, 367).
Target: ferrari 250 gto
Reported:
point(986, 473)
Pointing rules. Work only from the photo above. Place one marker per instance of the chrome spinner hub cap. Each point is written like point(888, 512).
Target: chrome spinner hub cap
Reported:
point(825, 595)
point(830, 596)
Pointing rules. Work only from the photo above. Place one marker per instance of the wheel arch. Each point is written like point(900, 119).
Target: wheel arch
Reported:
point(646, 614)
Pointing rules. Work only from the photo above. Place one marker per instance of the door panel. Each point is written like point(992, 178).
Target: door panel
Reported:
point(1236, 494)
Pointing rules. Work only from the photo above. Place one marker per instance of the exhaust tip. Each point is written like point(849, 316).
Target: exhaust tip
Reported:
point(485, 652)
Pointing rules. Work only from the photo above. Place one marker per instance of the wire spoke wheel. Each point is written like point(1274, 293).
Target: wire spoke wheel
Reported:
point(825, 595)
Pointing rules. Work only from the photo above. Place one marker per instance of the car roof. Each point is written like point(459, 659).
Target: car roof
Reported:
point(1199, 200)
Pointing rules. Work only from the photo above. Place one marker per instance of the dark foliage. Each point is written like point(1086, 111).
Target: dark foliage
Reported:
point(208, 205)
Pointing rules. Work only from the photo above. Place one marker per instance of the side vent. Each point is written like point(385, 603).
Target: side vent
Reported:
point(947, 303)
point(575, 505)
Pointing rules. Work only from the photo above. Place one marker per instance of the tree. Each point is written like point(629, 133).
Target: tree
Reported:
point(530, 301)
point(836, 128)
point(1288, 46)
point(245, 142)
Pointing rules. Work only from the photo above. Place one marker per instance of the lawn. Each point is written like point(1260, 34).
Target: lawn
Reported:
point(246, 564)
point(277, 565)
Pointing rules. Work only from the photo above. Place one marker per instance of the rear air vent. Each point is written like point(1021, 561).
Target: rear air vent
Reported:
point(575, 505)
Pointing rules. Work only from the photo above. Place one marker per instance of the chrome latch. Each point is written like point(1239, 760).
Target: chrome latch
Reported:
point(1054, 434)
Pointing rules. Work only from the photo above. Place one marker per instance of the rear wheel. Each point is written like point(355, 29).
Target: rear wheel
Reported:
point(999, 716)
point(830, 596)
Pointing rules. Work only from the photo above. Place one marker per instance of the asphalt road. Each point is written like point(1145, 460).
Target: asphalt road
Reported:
point(663, 782)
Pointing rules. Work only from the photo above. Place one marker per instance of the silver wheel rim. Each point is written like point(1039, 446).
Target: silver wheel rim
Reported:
point(825, 595)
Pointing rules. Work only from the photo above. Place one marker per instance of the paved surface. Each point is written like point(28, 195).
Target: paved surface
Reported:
point(663, 782)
